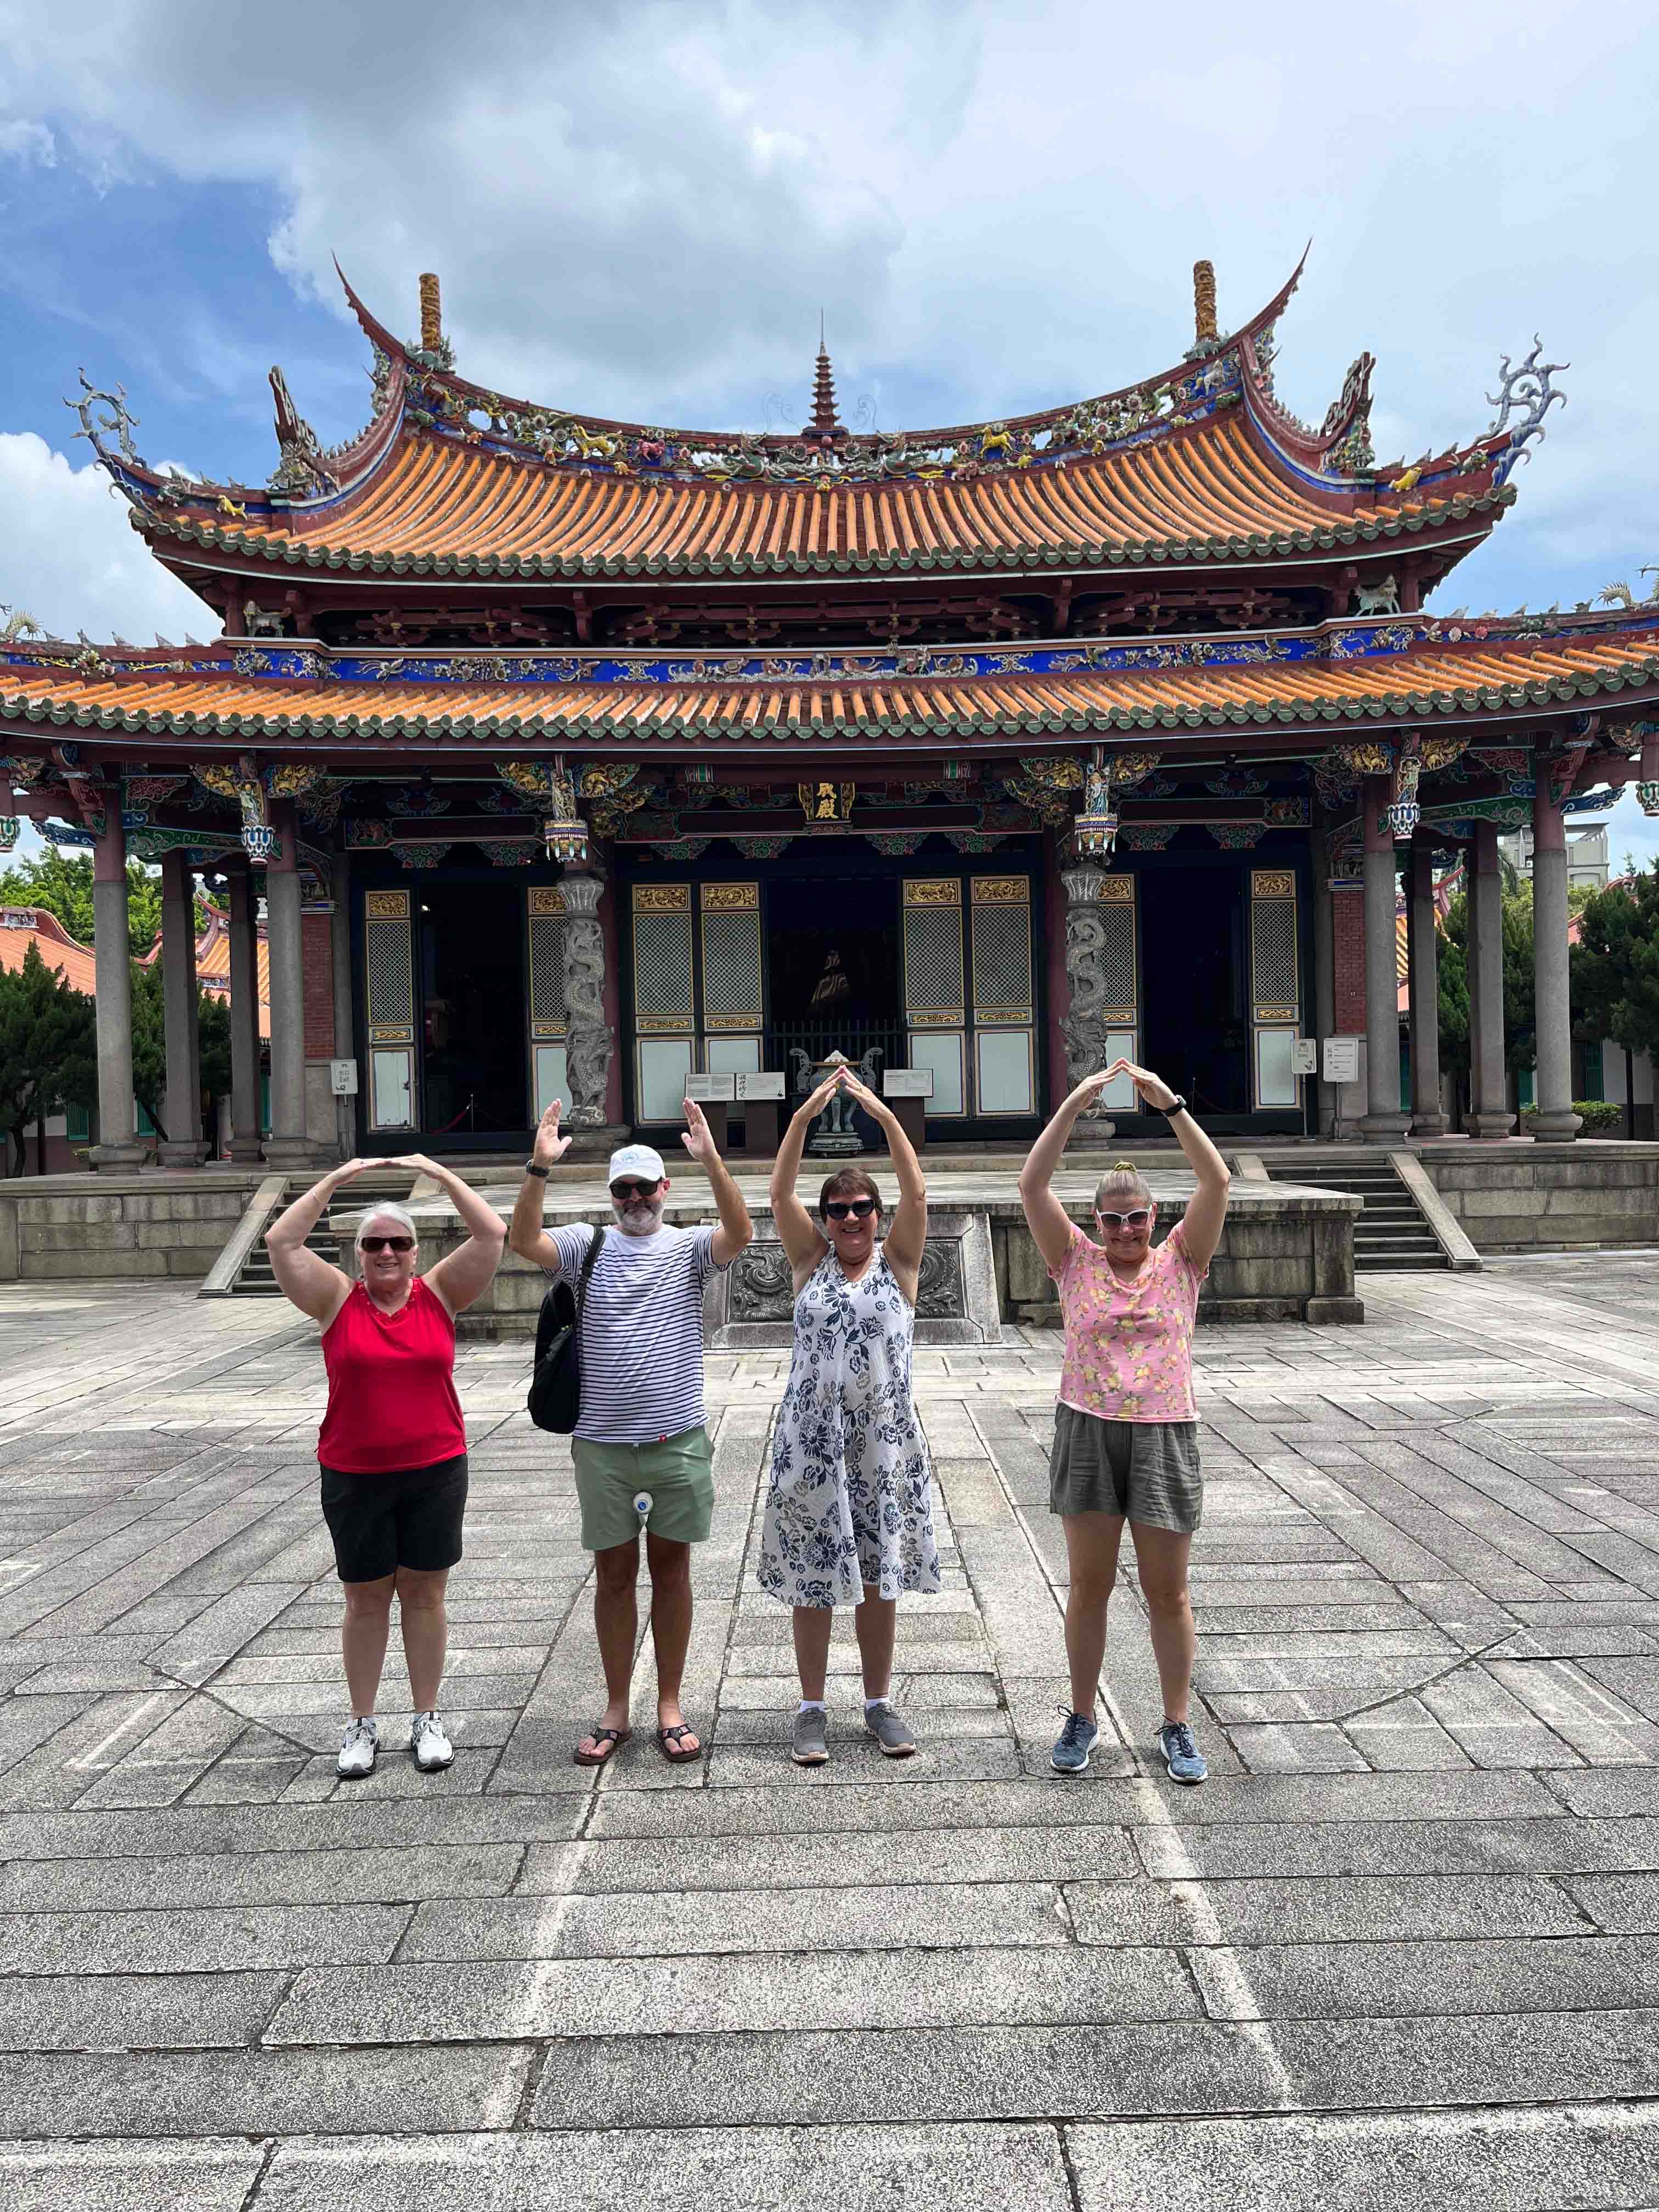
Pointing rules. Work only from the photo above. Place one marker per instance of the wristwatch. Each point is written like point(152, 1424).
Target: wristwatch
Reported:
point(531, 1168)
point(1177, 1105)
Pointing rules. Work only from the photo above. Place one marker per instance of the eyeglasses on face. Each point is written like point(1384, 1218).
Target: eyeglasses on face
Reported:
point(385, 1243)
point(860, 1209)
point(1137, 1220)
point(626, 1193)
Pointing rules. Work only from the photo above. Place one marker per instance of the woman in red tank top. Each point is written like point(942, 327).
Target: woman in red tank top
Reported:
point(393, 1447)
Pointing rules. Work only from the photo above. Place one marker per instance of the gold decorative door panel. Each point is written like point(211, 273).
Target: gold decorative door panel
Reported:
point(389, 1009)
point(935, 990)
point(733, 993)
point(1275, 987)
point(1118, 967)
point(1004, 999)
point(544, 966)
point(665, 1006)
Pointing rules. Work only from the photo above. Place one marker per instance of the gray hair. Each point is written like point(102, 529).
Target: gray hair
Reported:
point(405, 1220)
point(1123, 1179)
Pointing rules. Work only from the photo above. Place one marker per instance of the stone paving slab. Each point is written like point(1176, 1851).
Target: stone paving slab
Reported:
point(1402, 1949)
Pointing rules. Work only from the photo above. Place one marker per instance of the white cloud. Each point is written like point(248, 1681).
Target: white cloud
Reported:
point(26, 142)
point(69, 557)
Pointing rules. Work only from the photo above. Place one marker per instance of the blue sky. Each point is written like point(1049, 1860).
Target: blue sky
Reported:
point(641, 210)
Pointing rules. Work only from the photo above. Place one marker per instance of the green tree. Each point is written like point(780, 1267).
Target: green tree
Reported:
point(48, 1049)
point(150, 1042)
point(1519, 1009)
point(1614, 976)
point(62, 882)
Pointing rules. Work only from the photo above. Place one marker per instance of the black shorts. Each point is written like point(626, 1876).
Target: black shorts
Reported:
point(381, 1522)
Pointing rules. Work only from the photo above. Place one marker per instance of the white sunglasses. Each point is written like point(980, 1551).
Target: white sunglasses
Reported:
point(1137, 1220)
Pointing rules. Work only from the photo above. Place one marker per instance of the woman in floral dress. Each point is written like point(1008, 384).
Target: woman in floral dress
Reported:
point(849, 1514)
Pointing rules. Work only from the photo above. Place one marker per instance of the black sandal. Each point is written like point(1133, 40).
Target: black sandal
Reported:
point(599, 1756)
point(670, 1746)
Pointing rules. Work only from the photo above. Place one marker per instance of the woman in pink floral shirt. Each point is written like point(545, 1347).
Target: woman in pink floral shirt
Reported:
point(1126, 1428)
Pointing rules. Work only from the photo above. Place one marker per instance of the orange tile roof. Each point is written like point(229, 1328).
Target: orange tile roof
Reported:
point(1501, 676)
point(1209, 494)
point(74, 961)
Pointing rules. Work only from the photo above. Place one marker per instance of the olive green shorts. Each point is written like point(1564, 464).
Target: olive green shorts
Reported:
point(678, 1471)
point(1147, 1471)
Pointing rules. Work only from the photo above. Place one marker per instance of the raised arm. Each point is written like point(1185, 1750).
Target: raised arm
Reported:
point(525, 1233)
point(804, 1245)
point(464, 1274)
point(1049, 1223)
point(1201, 1225)
point(736, 1229)
point(304, 1277)
point(908, 1234)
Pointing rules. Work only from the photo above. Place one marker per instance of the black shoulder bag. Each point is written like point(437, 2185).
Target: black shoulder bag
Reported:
point(556, 1386)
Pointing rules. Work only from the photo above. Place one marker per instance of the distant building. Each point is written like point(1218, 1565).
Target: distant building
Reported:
point(1587, 855)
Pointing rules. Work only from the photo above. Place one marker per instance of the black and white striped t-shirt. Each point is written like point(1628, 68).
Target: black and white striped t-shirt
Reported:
point(641, 1339)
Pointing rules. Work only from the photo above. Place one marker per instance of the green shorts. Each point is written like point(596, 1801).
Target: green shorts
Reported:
point(678, 1472)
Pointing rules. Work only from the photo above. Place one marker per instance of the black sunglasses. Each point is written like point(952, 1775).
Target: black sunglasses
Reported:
point(385, 1243)
point(626, 1193)
point(1137, 1220)
point(859, 1208)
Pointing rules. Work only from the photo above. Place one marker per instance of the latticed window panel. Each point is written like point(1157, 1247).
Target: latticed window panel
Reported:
point(934, 983)
point(662, 956)
point(731, 956)
point(1002, 949)
point(546, 974)
point(388, 962)
point(1119, 974)
point(1275, 987)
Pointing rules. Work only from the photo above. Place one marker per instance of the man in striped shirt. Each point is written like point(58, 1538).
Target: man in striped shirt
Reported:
point(642, 1424)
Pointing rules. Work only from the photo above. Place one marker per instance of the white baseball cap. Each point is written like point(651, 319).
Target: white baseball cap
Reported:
point(637, 1160)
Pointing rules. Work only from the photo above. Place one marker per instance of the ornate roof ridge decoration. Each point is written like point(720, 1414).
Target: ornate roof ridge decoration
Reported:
point(1342, 639)
point(437, 398)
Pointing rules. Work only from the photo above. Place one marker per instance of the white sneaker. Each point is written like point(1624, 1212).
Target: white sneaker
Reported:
point(358, 1747)
point(429, 1745)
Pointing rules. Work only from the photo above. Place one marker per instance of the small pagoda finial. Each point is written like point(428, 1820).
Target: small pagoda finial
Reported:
point(432, 324)
point(1204, 329)
point(825, 427)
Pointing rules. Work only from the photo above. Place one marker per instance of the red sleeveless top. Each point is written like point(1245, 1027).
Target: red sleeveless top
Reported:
point(391, 1402)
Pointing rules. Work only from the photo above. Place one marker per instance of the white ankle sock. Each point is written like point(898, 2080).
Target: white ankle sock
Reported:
point(812, 1705)
point(870, 1704)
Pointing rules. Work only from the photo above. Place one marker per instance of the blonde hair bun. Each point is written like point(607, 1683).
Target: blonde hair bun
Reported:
point(1123, 1167)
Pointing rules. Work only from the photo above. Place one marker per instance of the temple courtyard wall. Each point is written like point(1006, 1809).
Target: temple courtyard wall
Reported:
point(1536, 1197)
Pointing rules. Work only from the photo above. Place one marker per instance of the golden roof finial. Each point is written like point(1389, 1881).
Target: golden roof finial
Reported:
point(431, 326)
point(1204, 329)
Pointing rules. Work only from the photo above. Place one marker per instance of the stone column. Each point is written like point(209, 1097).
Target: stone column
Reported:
point(118, 1149)
point(589, 1042)
point(286, 1147)
point(1324, 951)
point(1554, 1116)
point(1382, 1122)
point(244, 893)
point(1423, 965)
point(1488, 1077)
point(1083, 1025)
point(345, 1036)
point(183, 1146)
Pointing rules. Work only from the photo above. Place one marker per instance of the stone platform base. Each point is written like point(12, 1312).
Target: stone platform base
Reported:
point(1286, 1254)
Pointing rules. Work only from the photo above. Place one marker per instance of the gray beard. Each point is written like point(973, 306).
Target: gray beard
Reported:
point(639, 1221)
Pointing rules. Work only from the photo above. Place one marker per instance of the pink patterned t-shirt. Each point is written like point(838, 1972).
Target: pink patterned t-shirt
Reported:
point(1129, 1345)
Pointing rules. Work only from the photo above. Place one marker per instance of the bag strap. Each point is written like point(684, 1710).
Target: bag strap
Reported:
point(588, 1269)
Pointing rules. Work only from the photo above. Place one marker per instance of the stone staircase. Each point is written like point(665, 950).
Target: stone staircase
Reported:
point(1391, 1234)
point(255, 1278)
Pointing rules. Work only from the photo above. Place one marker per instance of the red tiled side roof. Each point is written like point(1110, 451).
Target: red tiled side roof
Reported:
point(73, 961)
point(1502, 675)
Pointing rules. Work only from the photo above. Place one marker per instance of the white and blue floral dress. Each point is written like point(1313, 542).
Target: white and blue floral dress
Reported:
point(850, 1499)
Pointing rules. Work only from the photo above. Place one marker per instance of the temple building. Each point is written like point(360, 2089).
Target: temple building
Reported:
point(579, 758)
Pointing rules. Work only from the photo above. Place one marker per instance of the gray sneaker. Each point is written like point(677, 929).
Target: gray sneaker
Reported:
point(808, 1746)
point(1074, 1742)
point(1181, 1753)
point(358, 1747)
point(883, 1723)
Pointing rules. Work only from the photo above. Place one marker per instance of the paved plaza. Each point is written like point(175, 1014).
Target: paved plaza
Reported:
point(1403, 1949)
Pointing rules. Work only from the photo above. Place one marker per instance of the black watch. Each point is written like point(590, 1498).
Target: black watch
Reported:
point(1178, 1105)
point(531, 1168)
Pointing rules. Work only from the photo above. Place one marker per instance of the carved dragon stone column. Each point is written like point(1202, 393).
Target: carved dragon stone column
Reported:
point(1084, 1023)
point(588, 1040)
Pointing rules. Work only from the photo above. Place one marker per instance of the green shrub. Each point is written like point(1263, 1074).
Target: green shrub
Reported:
point(1597, 1115)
